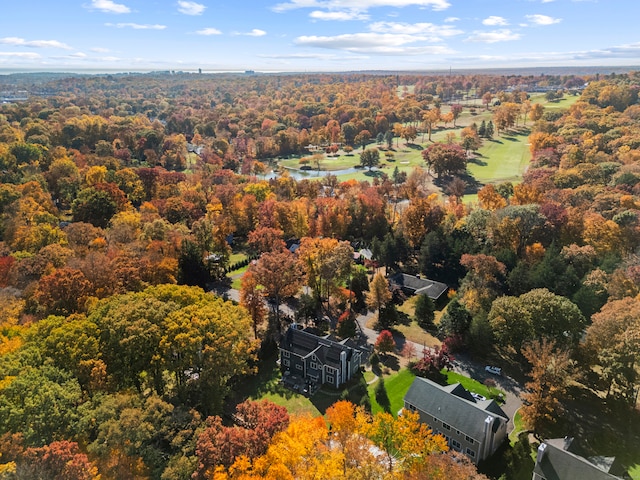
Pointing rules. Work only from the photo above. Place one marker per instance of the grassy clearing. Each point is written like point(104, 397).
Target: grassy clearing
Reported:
point(472, 385)
point(265, 385)
point(518, 427)
point(502, 159)
point(237, 277)
point(237, 257)
point(396, 387)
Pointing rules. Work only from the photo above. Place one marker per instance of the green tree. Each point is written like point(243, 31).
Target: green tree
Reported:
point(370, 158)
point(93, 206)
point(425, 311)
point(535, 314)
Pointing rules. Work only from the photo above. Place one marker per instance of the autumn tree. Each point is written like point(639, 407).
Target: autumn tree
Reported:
point(551, 371)
point(612, 342)
point(256, 425)
point(385, 343)
point(430, 119)
point(378, 295)
point(266, 239)
point(252, 298)
point(445, 159)
point(279, 274)
point(63, 292)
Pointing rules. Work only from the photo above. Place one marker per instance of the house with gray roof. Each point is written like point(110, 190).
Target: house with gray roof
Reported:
point(319, 359)
point(561, 459)
point(475, 428)
point(414, 285)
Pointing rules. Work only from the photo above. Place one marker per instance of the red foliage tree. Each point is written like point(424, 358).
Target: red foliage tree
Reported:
point(61, 459)
point(385, 342)
point(257, 423)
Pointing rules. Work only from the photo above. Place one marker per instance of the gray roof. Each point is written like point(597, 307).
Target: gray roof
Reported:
point(420, 286)
point(304, 343)
point(453, 405)
point(557, 460)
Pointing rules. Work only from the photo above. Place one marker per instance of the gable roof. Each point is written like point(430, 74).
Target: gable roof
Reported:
point(558, 459)
point(419, 286)
point(454, 405)
point(327, 349)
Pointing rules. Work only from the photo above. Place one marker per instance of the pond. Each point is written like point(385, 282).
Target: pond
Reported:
point(311, 174)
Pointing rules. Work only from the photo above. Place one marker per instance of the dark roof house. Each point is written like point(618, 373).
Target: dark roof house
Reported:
point(475, 428)
point(319, 359)
point(561, 459)
point(413, 285)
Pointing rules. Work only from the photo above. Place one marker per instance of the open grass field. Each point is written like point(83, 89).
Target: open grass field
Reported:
point(396, 386)
point(502, 159)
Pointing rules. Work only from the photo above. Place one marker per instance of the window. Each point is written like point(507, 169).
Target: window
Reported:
point(286, 363)
point(445, 426)
point(314, 365)
point(471, 453)
point(330, 378)
point(469, 439)
point(298, 366)
point(286, 354)
point(455, 445)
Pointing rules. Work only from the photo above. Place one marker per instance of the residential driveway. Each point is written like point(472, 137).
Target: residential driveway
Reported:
point(462, 364)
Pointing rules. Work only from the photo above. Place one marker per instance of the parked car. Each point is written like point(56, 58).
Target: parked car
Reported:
point(493, 370)
point(478, 397)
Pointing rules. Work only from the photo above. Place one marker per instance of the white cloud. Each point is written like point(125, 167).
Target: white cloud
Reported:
point(136, 26)
point(374, 43)
point(338, 16)
point(495, 36)
point(78, 55)
point(547, 1)
point(108, 6)
point(451, 19)
point(495, 21)
point(542, 19)
point(190, 8)
point(362, 5)
point(209, 31)
point(256, 32)
point(427, 31)
point(21, 42)
point(100, 50)
point(28, 55)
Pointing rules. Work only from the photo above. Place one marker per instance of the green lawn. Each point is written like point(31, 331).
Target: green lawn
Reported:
point(502, 159)
point(237, 277)
point(518, 426)
point(396, 386)
point(237, 257)
point(471, 384)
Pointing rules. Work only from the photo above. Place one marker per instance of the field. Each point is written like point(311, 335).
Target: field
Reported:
point(501, 159)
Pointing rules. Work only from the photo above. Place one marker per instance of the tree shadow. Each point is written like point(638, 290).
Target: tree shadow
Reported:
point(415, 146)
point(373, 173)
point(391, 362)
point(496, 141)
point(381, 396)
point(511, 139)
point(477, 161)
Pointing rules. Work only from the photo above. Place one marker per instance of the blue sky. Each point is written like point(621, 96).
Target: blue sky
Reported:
point(315, 35)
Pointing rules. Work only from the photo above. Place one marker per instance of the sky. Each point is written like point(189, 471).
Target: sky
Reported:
point(315, 35)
